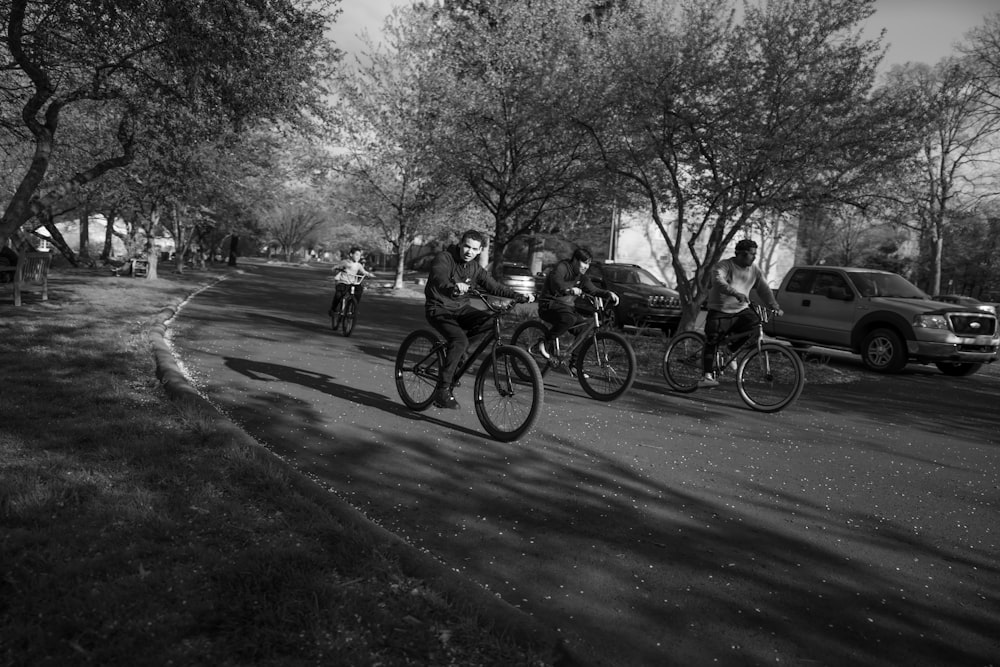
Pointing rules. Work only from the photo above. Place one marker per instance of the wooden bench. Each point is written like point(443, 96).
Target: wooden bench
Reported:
point(32, 270)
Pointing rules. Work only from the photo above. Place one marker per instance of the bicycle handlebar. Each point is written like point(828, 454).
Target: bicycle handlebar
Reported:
point(357, 278)
point(498, 309)
point(763, 313)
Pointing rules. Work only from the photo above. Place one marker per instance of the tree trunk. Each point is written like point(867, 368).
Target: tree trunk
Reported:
point(151, 254)
point(84, 249)
point(56, 239)
point(936, 277)
point(234, 249)
point(109, 235)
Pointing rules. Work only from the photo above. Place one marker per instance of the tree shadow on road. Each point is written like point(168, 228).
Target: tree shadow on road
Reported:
point(263, 371)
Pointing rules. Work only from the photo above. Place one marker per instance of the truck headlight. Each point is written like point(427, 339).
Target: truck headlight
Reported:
point(931, 322)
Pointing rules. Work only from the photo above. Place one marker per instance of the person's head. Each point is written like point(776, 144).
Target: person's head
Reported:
point(582, 257)
point(471, 245)
point(355, 254)
point(746, 252)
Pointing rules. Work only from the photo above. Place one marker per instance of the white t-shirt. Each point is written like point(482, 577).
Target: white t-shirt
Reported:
point(349, 271)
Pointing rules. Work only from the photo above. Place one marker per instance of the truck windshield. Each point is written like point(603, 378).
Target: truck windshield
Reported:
point(886, 284)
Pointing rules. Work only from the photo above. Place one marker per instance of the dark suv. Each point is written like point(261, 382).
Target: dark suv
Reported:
point(645, 300)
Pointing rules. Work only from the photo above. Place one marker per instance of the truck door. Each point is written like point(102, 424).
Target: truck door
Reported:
point(819, 307)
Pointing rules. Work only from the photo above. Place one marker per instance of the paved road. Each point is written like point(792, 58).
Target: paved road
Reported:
point(858, 527)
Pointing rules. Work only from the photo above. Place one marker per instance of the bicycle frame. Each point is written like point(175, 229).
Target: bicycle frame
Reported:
point(491, 337)
point(584, 329)
point(724, 355)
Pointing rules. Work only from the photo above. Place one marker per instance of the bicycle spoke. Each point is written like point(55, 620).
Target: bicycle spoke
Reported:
point(682, 363)
point(508, 405)
point(607, 366)
point(418, 364)
point(771, 378)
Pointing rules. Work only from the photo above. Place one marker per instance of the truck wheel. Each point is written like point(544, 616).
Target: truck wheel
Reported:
point(882, 351)
point(958, 369)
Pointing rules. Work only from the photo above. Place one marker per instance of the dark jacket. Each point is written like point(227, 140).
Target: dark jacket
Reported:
point(557, 292)
point(446, 272)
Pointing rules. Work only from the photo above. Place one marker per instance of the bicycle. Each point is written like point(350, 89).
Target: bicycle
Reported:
point(345, 316)
point(769, 375)
point(606, 364)
point(507, 401)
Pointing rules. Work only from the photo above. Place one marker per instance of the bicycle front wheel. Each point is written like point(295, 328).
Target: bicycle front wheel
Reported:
point(418, 366)
point(527, 337)
point(682, 365)
point(606, 366)
point(336, 316)
point(350, 316)
point(770, 378)
point(508, 405)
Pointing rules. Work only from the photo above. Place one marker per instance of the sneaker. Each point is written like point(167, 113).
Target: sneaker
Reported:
point(443, 398)
point(732, 366)
point(708, 381)
point(539, 348)
point(572, 371)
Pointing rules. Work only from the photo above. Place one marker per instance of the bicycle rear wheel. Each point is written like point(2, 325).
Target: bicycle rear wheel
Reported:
point(350, 316)
point(682, 366)
point(771, 378)
point(527, 336)
point(418, 366)
point(508, 405)
point(606, 366)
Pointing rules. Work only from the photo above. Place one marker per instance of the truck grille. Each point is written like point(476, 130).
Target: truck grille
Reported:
point(660, 301)
point(974, 325)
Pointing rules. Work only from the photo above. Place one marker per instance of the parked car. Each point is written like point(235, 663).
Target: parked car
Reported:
point(967, 301)
point(519, 278)
point(645, 300)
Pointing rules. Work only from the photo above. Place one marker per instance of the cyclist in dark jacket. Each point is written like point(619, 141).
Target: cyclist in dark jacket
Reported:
point(452, 274)
point(564, 283)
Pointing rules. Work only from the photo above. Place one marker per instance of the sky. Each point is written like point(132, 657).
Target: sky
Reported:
point(916, 30)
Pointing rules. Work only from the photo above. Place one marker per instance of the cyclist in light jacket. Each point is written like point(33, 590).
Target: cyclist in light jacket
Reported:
point(729, 302)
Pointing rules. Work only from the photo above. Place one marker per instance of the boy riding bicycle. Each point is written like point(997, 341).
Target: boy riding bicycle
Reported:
point(348, 273)
point(564, 283)
point(729, 303)
point(453, 273)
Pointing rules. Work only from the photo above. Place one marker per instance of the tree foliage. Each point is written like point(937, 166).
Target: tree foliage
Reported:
point(386, 169)
point(716, 123)
point(953, 170)
point(135, 64)
point(506, 88)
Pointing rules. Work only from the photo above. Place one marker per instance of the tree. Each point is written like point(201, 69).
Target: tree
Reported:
point(953, 171)
point(506, 89)
point(226, 62)
point(293, 223)
point(716, 123)
point(386, 167)
point(982, 48)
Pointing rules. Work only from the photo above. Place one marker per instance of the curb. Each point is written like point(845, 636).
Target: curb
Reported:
point(496, 613)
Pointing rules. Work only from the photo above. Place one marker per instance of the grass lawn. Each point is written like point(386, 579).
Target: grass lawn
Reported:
point(132, 531)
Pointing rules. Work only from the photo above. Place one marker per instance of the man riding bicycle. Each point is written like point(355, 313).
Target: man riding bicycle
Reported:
point(729, 303)
point(453, 273)
point(347, 273)
point(566, 281)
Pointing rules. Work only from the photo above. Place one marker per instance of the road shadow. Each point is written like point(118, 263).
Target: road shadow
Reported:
point(263, 372)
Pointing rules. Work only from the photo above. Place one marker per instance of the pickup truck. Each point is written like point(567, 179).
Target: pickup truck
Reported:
point(884, 318)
